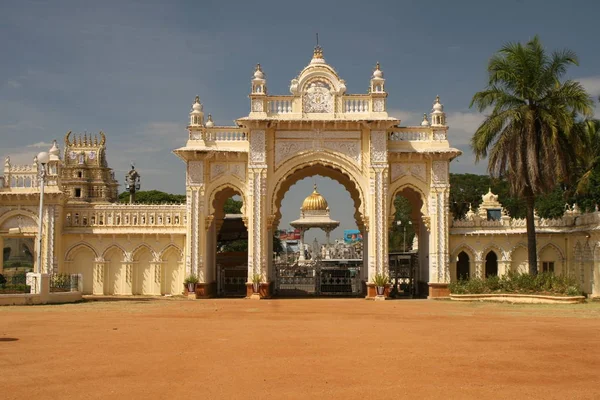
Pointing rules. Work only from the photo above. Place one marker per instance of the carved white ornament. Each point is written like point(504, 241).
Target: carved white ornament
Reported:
point(217, 169)
point(318, 98)
point(378, 147)
point(257, 105)
point(417, 170)
point(439, 171)
point(257, 147)
point(378, 105)
point(195, 173)
point(317, 141)
point(239, 170)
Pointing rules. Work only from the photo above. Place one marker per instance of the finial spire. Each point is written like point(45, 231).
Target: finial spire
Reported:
point(318, 52)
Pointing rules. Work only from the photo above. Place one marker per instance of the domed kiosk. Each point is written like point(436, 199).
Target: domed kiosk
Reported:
point(314, 213)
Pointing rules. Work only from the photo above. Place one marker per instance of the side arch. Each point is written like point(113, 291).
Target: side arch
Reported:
point(555, 247)
point(169, 247)
point(140, 247)
point(112, 247)
point(72, 251)
point(223, 184)
point(401, 184)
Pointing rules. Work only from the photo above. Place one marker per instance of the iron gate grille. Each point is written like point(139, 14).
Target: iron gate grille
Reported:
point(232, 280)
point(402, 268)
point(318, 278)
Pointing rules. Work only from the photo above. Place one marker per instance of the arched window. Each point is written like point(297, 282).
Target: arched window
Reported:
point(491, 264)
point(462, 266)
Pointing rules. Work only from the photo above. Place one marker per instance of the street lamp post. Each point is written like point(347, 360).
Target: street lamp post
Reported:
point(399, 223)
point(42, 159)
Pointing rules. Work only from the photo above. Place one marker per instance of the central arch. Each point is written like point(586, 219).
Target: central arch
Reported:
point(323, 164)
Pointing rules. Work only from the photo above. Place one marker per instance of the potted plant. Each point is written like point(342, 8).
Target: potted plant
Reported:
point(256, 278)
point(380, 280)
point(190, 282)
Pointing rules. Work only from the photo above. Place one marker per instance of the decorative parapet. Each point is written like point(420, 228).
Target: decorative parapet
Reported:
point(121, 217)
point(567, 222)
point(416, 134)
point(342, 107)
point(26, 176)
point(223, 138)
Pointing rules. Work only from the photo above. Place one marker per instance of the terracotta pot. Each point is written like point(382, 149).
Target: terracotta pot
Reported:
point(255, 287)
point(380, 290)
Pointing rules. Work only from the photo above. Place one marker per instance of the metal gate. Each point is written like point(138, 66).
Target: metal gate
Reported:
point(232, 280)
point(403, 269)
point(319, 278)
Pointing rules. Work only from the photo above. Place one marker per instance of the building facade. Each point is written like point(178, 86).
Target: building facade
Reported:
point(318, 129)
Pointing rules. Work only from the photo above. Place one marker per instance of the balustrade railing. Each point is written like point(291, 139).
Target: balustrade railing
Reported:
point(356, 104)
point(224, 134)
point(279, 105)
point(127, 216)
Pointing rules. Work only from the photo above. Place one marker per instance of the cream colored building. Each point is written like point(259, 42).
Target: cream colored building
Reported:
point(317, 129)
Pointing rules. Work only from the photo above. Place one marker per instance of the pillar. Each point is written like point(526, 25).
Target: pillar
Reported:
point(258, 230)
point(478, 273)
point(98, 276)
point(127, 275)
point(156, 267)
point(439, 259)
point(2, 255)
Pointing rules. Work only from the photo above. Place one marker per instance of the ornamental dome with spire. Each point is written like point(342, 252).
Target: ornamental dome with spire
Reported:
point(314, 202)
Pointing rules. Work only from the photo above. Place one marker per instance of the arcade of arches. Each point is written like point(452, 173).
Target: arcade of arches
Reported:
point(317, 129)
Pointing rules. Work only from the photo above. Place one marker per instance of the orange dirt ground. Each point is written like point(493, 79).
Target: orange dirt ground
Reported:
point(141, 348)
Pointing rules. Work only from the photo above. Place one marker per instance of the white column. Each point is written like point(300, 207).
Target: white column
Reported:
point(301, 245)
point(257, 220)
point(98, 276)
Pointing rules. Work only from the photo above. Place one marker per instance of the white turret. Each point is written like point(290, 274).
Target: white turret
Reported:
point(54, 152)
point(377, 81)
point(197, 113)
point(438, 116)
point(259, 83)
point(425, 120)
point(209, 122)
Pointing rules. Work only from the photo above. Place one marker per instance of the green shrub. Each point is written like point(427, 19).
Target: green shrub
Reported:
point(521, 283)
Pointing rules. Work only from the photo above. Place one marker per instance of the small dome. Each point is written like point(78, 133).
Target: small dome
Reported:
point(209, 122)
point(378, 73)
point(54, 151)
point(314, 202)
point(437, 106)
point(258, 74)
point(489, 197)
point(197, 106)
point(425, 120)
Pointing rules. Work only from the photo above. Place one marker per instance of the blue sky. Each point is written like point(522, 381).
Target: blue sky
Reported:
point(132, 68)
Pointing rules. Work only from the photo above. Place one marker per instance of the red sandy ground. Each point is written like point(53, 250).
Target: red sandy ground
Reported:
point(299, 349)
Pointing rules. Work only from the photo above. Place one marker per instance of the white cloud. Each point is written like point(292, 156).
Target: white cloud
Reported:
point(39, 145)
point(13, 84)
point(591, 84)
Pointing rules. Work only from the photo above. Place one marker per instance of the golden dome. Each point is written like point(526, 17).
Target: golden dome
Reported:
point(314, 202)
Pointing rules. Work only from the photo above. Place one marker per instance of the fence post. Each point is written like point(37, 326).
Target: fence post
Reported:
point(33, 280)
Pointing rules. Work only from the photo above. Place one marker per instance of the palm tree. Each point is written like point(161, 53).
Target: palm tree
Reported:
point(589, 154)
point(529, 135)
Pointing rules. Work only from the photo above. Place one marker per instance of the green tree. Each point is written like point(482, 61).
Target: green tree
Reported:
point(233, 206)
point(398, 236)
point(589, 156)
point(153, 197)
point(529, 134)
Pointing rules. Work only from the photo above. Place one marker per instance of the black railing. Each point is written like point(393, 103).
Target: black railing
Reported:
point(64, 283)
point(16, 283)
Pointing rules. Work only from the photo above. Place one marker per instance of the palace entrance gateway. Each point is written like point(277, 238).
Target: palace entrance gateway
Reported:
point(318, 129)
